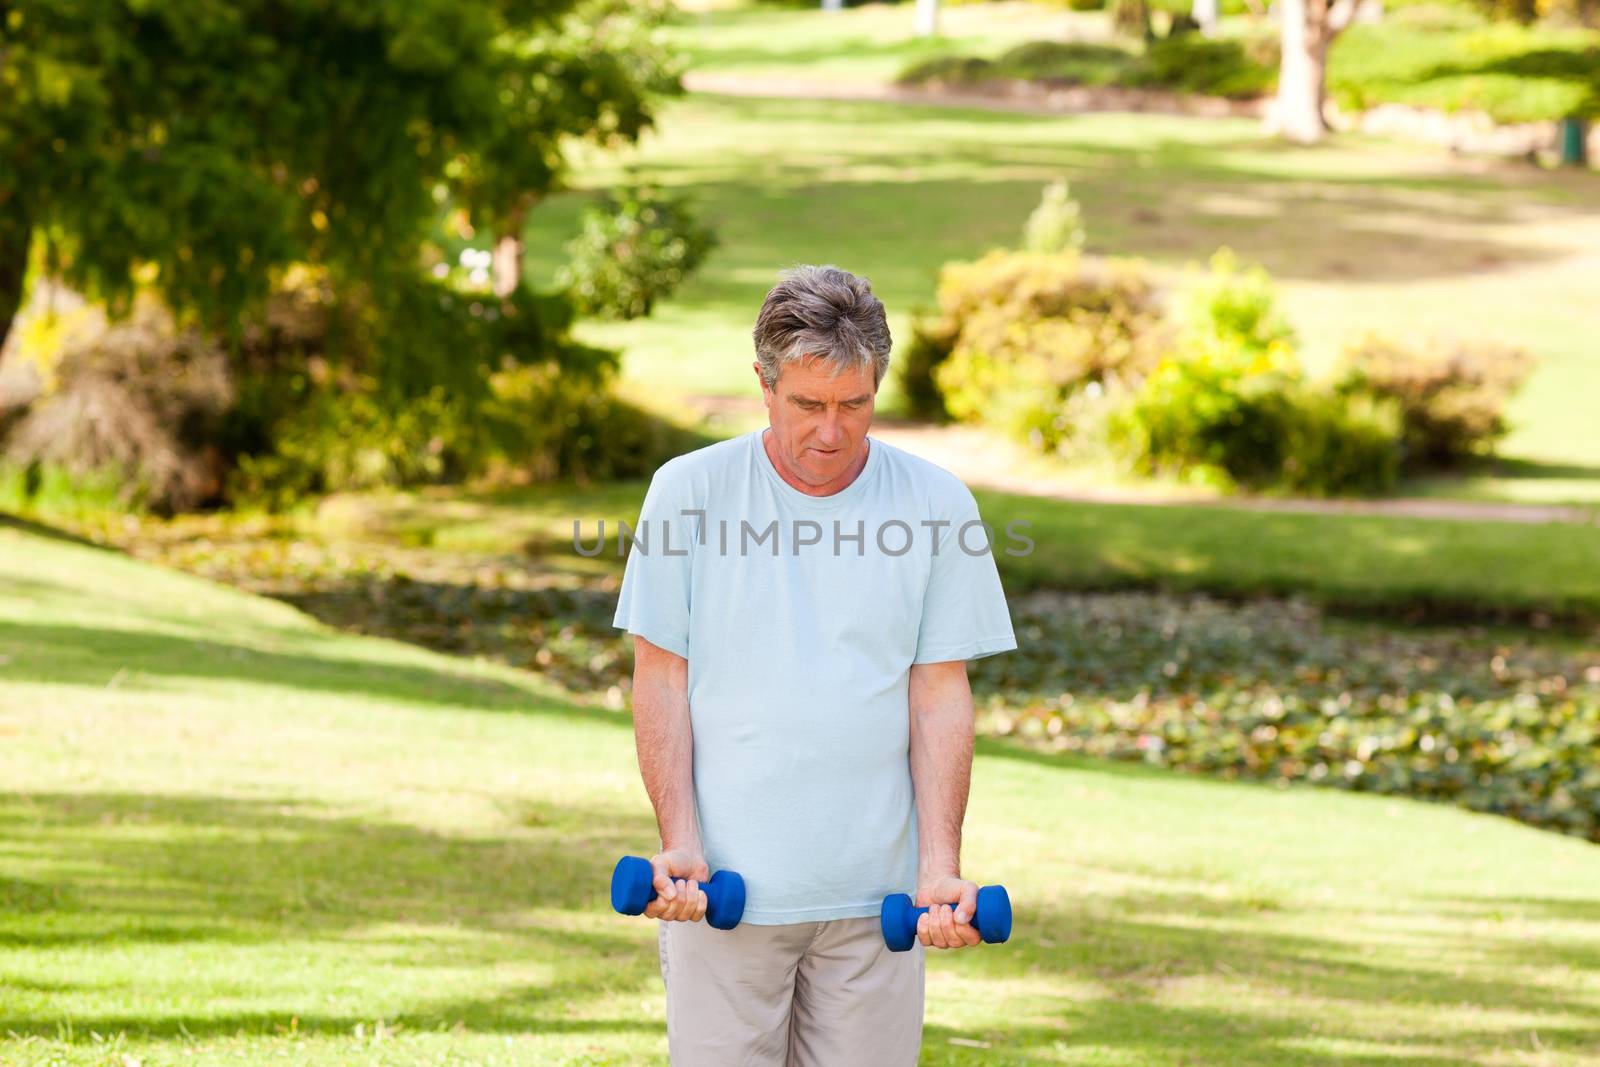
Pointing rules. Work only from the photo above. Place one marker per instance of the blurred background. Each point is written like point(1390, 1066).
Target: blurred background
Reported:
point(325, 321)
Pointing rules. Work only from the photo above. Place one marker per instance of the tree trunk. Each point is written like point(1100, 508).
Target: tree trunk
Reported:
point(1309, 26)
point(1205, 14)
point(16, 237)
point(506, 266)
point(927, 18)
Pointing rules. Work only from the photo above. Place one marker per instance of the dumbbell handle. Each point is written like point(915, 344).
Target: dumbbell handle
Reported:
point(711, 891)
point(991, 917)
point(633, 888)
point(918, 912)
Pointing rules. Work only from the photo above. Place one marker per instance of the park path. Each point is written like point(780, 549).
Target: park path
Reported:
point(1011, 96)
point(986, 460)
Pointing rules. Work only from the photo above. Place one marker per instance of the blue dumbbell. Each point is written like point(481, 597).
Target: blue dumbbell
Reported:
point(633, 886)
point(899, 919)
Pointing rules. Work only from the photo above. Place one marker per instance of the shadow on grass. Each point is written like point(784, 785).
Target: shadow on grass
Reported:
point(139, 872)
point(64, 654)
point(133, 873)
point(39, 529)
point(1238, 187)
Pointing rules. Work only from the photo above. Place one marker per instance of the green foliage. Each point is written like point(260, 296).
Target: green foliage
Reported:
point(948, 70)
point(1187, 63)
point(1514, 73)
point(913, 369)
point(202, 146)
point(1266, 690)
point(1228, 419)
point(1190, 63)
point(1056, 225)
point(1066, 62)
point(63, 493)
point(1581, 12)
point(635, 247)
point(1025, 330)
point(1235, 308)
point(1452, 394)
point(341, 392)
point(1229, 405)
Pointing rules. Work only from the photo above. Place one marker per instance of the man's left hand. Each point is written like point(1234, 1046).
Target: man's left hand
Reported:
point(951, 903)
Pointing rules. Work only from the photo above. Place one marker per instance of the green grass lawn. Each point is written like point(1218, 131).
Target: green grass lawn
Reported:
point(233, 836)
point(1361, 234)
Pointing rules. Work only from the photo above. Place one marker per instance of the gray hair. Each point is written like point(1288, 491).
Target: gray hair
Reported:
point(822, 311)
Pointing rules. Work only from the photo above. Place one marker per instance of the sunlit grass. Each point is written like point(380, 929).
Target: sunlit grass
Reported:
point(232, 836)
point(1360, 234)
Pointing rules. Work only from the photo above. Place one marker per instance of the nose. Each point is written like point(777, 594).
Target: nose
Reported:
point(829, 433)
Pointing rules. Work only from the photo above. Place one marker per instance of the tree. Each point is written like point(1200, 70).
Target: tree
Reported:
point(203, 145)
point(597, 74)
point(1309, 27)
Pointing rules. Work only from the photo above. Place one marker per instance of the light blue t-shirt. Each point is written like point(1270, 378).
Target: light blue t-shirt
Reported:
point(800, 636)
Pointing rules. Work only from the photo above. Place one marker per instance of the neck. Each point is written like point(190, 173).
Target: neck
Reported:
point(827, 488)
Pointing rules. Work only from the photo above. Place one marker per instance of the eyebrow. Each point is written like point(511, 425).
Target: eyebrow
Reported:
point(800, 398)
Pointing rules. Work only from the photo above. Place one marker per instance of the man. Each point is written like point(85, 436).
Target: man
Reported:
point(803, 600)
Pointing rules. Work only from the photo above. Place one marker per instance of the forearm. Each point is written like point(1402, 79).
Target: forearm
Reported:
point(941, 766)
point(665, 744)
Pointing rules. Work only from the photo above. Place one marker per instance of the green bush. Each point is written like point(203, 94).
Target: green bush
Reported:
point(1190, 63)
point(1229, 405)
point(1019, 332)
point(948, 70)
point(635, 247)
point(424, 384)
point(1235, 422)
point(1069, 62)
point(1452, 394)
point(931, 342)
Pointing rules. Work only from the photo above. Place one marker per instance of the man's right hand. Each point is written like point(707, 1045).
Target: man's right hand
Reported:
point(678, 874)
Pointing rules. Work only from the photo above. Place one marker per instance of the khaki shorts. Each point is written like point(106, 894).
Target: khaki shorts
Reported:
point(818, 994)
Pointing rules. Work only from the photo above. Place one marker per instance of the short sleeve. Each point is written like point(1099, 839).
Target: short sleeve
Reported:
point(964, 613)
point(654, 601)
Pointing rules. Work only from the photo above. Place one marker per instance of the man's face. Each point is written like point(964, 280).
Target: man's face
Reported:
point(819, 419)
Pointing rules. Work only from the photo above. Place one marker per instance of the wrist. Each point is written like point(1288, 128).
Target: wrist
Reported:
point(683, 844)
point(927, 872)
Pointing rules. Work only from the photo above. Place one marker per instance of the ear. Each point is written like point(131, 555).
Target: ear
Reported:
point(766, 394)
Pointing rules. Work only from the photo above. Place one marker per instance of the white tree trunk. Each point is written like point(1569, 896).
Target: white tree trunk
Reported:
point(507, 265)
point(833, 5)
point(1205, 15)
point(1297, 112)
point(927, 18)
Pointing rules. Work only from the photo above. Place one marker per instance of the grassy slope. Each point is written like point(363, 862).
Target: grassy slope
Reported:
point(231, 836)
point(1361, 235)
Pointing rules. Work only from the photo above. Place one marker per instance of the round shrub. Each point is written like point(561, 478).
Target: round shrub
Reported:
point(1019, 332)
point(1452, 394)
point(636, 246)
point(948, 70)
point(139, 401)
